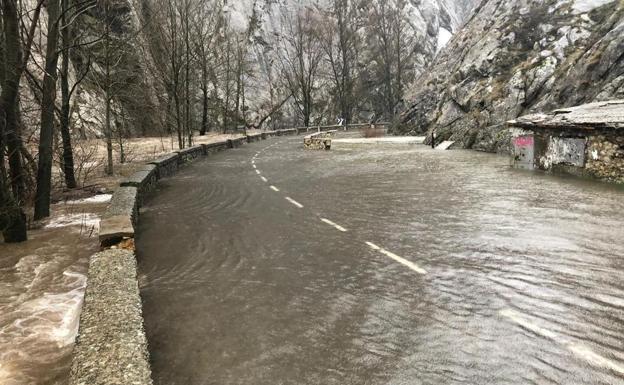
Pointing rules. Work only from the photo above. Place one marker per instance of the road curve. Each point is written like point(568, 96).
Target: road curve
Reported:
point(392, 265)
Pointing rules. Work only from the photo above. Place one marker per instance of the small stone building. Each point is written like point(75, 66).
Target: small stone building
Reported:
point(586, 140)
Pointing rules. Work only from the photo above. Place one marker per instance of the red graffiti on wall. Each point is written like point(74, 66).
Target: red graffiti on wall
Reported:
point(523, 141)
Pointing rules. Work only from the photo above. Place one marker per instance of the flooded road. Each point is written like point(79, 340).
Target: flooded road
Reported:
point(381, 265)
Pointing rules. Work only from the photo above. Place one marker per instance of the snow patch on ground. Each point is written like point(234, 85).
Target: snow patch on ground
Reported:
point(584, 6)
point(444, 36)
point(85, 220)
point(101, 198)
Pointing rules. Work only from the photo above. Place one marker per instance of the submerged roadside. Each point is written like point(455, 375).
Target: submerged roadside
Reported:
point(43, 281)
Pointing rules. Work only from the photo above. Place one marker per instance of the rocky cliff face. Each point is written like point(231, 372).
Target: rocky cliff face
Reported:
point(431, 24)
point(126, 59)
point(517, 57)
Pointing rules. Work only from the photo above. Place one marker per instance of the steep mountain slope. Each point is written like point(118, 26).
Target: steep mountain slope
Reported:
point(431, 23)
point(517, 57)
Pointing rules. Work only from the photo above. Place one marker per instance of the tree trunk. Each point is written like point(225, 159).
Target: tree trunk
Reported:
point(12, 218)
point(44, 171)
point(9, 98)
point(68, 156)
point(109, 136)
point(187, 76)
point(108, 130)
point(204, 125)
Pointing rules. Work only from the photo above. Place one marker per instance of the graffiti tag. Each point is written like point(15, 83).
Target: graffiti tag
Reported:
point(523, 141)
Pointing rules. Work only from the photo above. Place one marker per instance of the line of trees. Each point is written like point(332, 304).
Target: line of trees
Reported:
point(350, 57)
point(179, 68)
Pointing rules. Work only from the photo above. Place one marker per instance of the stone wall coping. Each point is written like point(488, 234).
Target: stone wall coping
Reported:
point(118, 220)
point(215, 144)
point(111, 347)
point(123, 202)
point(138, 179)
point(173, 157)
point(149, 167)
point(188, 150)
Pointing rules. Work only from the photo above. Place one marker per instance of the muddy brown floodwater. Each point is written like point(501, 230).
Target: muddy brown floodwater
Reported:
point(42, 284)
point(452, 269)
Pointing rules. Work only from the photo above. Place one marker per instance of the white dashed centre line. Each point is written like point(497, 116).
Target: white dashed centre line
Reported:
point(264, 179)
point(337, 226)
point(400, 260)
point(579, 350)
point(254, 166)
point(274, 188)
point(294, 202)
point(258, 172)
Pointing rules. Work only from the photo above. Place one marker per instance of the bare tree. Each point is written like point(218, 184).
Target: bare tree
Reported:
point(300, 57)
point(12, 218)
point(340, 42)
point(207, 23)
point(392, 47)
point(46, 136)
point(70, 10)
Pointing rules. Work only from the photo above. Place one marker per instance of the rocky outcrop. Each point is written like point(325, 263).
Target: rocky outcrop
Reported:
point(518, 57)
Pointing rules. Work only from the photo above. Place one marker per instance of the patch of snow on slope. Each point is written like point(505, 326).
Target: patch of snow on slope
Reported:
point(100, 198)
point(84, 220)
point(584, 6)
point(444, 36)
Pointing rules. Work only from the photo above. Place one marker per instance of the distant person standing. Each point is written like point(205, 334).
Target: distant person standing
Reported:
point(432, 139)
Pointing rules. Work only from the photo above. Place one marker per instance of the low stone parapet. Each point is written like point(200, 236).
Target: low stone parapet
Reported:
point(111, 347)
point(254, 138)
point(144, 179)
point(120, 217)
point(234, 143)
point(166, 165)
point(215, 147)
point(188, 154)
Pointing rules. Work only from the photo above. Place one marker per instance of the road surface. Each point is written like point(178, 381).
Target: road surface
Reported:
point(270, 264)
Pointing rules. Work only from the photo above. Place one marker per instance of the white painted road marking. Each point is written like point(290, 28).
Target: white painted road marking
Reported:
point(334, 224)
point(264, 179)
point(581, 351)
point(254, 166)
point(274, 188)
point(401, 260)
point(294, 202)
point(258, 172)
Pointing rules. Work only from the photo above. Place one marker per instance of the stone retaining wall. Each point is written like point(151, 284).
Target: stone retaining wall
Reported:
point(189, 154)
point(605, 158)
point(167, 165)
point(111, 347)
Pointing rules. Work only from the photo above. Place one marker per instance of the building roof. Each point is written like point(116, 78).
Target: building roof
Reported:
point(601, 115)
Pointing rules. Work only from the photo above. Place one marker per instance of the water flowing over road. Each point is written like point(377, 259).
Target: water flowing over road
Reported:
point(381, 265)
